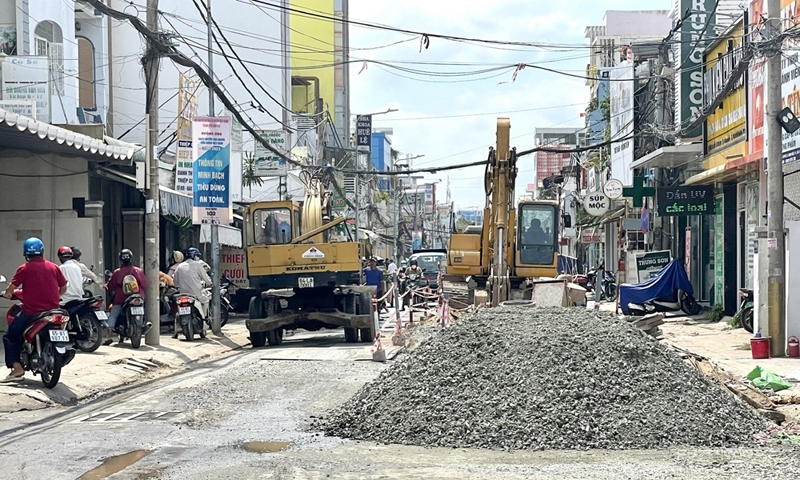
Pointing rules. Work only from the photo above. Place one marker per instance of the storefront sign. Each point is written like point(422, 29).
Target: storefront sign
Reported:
point(613, 189)
point(596, 204)
point(726, 125)
point(364, 131)
point(233, 264)
point(183, 167)
point(686, 200)
point(696, 31)
point(592, 235)
point(430, 198)
point(211, 143)
point(719, 253)
point(649, 264)
point(622, 121)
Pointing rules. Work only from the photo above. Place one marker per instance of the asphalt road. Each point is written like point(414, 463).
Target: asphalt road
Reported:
point(249, 416)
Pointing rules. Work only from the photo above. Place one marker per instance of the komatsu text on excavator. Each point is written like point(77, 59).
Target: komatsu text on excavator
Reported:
point(516, 243)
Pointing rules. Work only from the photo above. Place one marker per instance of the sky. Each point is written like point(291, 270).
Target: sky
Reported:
point(535, 99)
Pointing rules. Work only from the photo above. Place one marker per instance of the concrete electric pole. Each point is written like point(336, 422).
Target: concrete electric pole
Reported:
point(152, 215)
point(776, 289)
point(215, 316)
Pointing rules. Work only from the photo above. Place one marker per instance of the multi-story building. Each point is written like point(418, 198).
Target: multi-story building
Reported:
point(548, 164)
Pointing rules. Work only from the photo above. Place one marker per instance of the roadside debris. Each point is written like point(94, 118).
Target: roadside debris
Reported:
point(543, 378)
point(765, 379)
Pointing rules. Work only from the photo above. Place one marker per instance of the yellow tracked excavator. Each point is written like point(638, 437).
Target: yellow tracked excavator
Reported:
point(517, 242)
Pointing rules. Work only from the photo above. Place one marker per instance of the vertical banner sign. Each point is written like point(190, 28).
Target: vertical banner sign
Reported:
point(233, 264)
point(757, 94)
point(687, 252)
point(622, 120)
point(719, 253)
point(212, 155)
point(237, 142)
point(697, 31)
point(430, 198)
point(363, 131)
point(187, 109)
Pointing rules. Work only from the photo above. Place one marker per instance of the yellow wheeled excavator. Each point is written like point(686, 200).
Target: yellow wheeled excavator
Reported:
point(517, 242)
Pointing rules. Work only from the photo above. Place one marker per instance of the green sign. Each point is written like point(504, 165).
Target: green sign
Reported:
point(649, 264)
point(719, 252)
point(685, 200)
point(697, 31)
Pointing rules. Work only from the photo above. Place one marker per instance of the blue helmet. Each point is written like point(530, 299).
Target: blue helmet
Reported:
point(33, 246)
point(192, 252)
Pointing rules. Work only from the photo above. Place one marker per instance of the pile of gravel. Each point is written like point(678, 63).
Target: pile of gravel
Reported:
point(543, 378)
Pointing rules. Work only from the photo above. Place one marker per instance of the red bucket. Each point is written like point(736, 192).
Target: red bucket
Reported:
point(793, 349)
point(759, 347)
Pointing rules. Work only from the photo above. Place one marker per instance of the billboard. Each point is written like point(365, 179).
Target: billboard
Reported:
point(757, 92)
point(727, 125)
point(267, 163)
point(695, 34)
point(27, 79)
point(622, 86)
point(211, 144)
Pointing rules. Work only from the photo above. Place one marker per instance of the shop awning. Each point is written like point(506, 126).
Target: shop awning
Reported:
point(748, 162)
point(228, 236)
point(670, 156)
point(24, 133)
point(172, 202)
point(718, 174)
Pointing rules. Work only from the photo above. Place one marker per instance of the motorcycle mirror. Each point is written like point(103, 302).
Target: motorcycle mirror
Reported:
point(2, 279)
point(108, 273)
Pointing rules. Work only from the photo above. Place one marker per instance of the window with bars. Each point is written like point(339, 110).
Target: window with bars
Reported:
point(49, 42)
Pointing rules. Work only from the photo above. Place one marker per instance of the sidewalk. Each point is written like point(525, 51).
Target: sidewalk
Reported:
point(117, 365)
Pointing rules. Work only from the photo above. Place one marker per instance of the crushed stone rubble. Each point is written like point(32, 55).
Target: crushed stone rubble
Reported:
point(517, 378)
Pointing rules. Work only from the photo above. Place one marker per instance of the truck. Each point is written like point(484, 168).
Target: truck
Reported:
point(300, 277)
point(517, 243)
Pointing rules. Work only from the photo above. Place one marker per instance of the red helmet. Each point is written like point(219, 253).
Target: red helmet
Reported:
point(64, 252)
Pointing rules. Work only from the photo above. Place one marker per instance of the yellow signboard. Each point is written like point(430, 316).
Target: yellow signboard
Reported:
point(727, 125)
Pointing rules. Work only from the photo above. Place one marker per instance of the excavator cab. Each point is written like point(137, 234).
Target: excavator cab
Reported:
point(537, 238)
point(275, 223)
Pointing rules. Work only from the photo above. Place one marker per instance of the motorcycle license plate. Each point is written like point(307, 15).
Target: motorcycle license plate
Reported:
point(184, 310)
point(137, 310)
point(305, 282)
point(101, 315)
point(59, 336)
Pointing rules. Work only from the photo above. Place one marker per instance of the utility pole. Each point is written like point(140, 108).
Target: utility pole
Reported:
point(776, 293)
point(152, 214)
point(215, 317)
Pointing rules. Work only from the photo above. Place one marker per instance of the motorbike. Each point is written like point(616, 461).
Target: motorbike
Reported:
point(225, 304)
point(88, 323)
point(413, 282)
point(669, 291)
point(746, 309)
point(130, 322)
point(609, 290)
point(46, 347)
point(167, 306)
point(188, 317)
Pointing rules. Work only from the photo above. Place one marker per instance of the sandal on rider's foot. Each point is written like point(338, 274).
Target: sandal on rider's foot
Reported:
point(108, 341)
point(12, 378)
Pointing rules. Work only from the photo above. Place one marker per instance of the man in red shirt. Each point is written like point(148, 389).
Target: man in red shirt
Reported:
point(44, 284)
point(115, 284)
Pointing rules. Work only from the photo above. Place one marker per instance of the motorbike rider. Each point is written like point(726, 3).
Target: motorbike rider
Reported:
point(45, 283)
point(177, 259)
point(115, 284)
point(190, 277)
point(72, 272)
point(85, 271)
point(413, 269)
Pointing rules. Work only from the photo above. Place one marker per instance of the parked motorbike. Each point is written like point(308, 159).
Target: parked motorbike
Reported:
point(609, 290)
point(669, 291)
point(225, 302)
point(88, 323)
point(188, 317)
point(746, 314)
point(46, 344)
point(167, 306)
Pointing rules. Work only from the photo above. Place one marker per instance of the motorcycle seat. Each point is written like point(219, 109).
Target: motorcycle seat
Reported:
point(34, 328)
point(47, 313)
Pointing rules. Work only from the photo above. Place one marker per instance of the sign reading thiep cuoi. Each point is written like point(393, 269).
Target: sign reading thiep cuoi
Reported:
point(211, 142)
point(596, 204)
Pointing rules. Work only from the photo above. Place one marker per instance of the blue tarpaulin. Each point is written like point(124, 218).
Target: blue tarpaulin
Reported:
point(671, 278)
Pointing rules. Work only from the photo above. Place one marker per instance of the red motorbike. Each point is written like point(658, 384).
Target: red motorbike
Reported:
point(46, 347)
